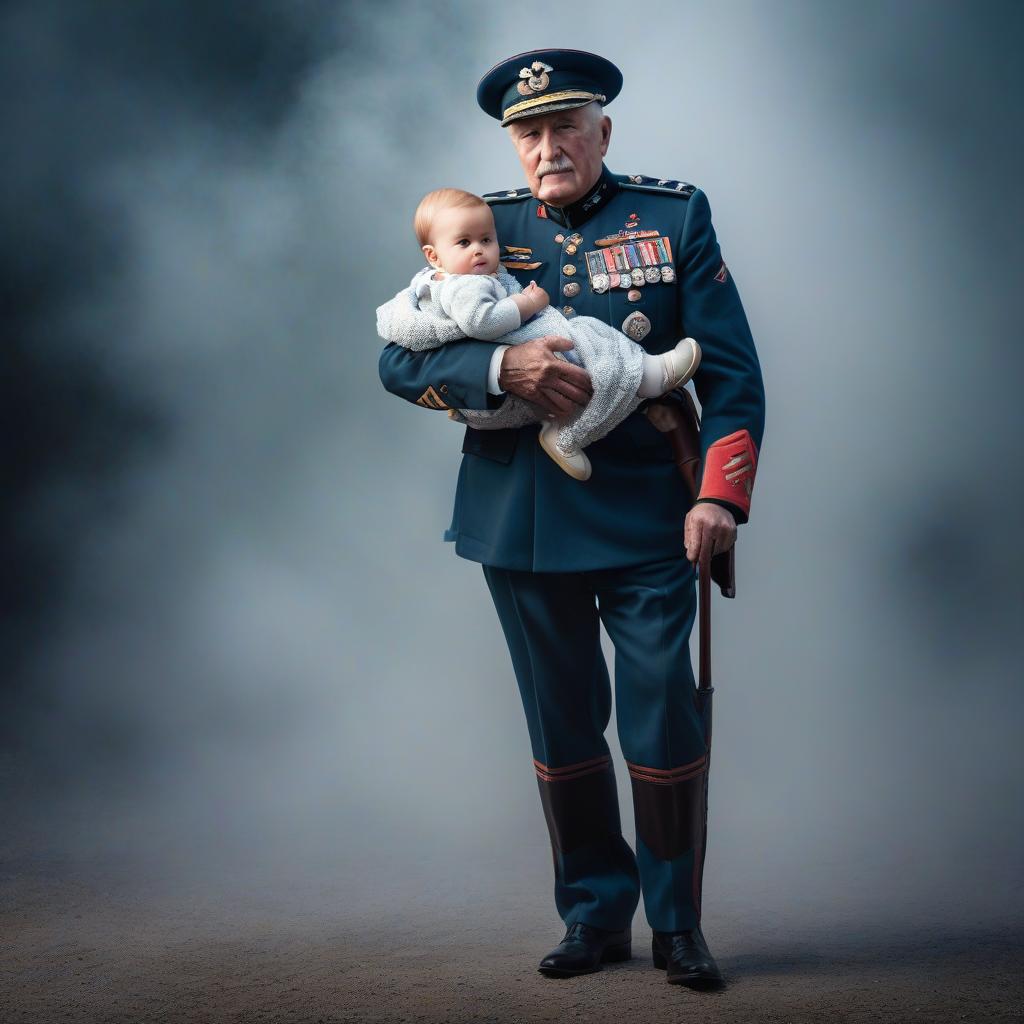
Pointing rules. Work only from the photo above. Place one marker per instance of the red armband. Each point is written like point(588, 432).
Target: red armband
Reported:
point(729, 469)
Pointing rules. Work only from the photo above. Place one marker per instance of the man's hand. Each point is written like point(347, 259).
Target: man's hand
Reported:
point(533, 372)
point(709, 530)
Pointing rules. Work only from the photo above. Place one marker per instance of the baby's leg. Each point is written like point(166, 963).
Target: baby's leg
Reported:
point(513, 412)
point(573, 461)
point(615, 365)
point(668, 370)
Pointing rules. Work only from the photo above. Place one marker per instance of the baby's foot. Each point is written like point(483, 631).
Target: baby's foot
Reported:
point(576, 464)
point(680, 364)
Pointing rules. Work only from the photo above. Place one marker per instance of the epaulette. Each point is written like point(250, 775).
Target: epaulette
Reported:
point(506, 197)
point(641, 183)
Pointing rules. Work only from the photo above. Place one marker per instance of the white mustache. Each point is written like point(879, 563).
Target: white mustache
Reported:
point(555, 168)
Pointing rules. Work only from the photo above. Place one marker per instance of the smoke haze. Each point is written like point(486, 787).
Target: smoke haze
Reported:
point(235, 645)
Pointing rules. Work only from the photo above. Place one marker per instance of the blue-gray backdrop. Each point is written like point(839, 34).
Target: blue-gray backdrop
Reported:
point(232, 633)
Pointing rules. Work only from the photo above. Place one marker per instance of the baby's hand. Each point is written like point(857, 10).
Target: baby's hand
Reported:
point(537, 296)
point(531, 300)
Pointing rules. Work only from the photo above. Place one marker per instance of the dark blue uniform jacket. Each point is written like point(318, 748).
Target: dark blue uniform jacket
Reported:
point(514, 507)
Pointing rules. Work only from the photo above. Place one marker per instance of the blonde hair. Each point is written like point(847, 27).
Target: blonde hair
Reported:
point(432, 204)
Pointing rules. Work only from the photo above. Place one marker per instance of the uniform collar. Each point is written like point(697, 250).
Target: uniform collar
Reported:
point(595, 199)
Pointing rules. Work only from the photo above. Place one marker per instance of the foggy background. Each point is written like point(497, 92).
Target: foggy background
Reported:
point(237, 653)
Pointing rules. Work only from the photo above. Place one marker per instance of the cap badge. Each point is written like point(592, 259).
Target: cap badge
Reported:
point(535, 78)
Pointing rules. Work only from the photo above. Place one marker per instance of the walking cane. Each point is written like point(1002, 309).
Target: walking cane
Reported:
point(675, 415)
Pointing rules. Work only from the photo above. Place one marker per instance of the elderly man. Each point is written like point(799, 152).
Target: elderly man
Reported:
point(561, 556)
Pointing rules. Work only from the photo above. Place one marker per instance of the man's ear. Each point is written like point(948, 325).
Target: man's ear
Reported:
point(431, 253)
point(606, 134)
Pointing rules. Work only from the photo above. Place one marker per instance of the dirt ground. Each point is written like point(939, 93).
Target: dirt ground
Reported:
point(85, 943)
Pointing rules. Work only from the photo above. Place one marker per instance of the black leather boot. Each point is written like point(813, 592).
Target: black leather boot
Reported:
point(686, 959)
point(584, 949)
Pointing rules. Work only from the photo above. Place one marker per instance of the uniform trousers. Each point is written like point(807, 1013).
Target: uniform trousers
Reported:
point(551, 622)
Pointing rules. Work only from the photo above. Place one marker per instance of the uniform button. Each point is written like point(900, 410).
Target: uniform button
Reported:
point(571, 250)
point(559, 238)
point(577, 238)
point(443, 389)
point(568, 270)
point(571, 290)
point(568, 310)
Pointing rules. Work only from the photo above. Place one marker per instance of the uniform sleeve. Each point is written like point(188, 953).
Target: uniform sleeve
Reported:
point(728, 381)
point(453, 376)
point(473, 303)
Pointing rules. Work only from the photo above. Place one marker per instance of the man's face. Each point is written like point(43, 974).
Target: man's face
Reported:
point(561, 152)
point(463, 241)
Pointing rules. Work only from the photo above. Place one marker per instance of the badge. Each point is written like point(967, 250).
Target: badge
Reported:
point(511, 264)
point(668, 275)
point(430, 399)
point(534, 78)
point(518, 258)
point(723, 273)
point(652, 274)
point(637, 277)
point(636, 326)
point(600, 283)
point(625, 236)
point(634, 294)
point(559, 238)
point(625, 281)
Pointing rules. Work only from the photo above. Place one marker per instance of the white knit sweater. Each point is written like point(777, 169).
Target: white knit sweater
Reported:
point(431, 313)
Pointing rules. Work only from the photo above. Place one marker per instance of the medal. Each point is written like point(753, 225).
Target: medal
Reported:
point(636, 326)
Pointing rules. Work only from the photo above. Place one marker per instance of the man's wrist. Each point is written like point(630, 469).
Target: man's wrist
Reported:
point(495, 369)
point(737, 513)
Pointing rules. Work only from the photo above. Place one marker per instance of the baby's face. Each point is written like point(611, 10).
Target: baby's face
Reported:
point(464, 241)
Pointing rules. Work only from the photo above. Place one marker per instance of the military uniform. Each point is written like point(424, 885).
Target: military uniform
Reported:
point(641, 254)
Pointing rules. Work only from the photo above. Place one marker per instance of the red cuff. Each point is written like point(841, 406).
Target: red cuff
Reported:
point(729, 469)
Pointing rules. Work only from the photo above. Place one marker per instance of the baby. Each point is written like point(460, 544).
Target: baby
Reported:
point(465, 293)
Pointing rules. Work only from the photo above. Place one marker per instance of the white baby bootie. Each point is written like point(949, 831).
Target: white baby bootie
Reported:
point(681, 363)
point(576, 464)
